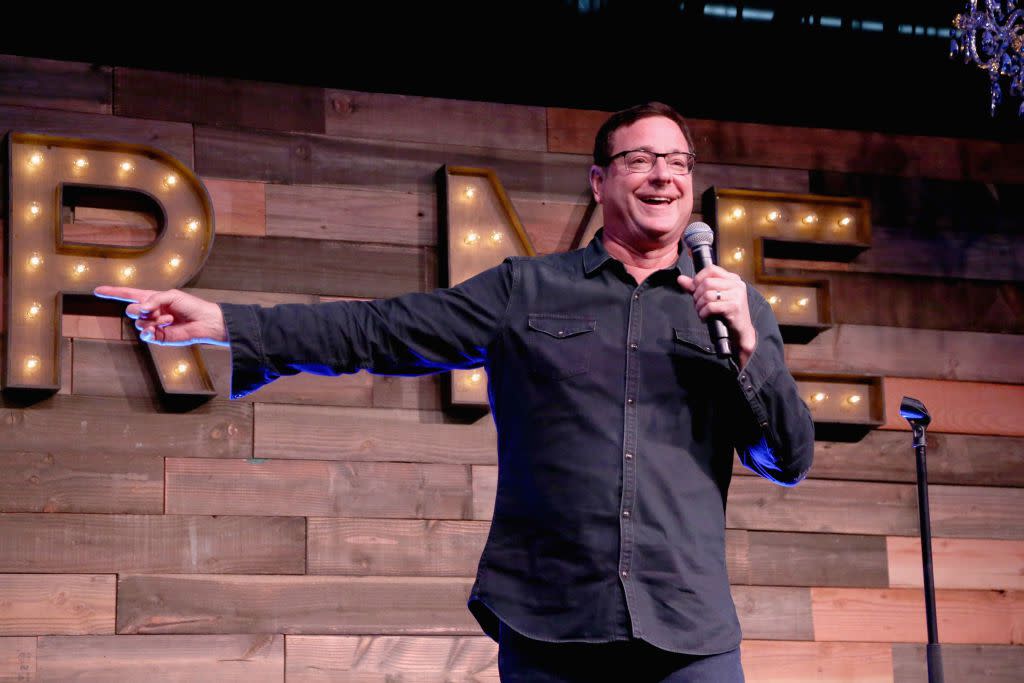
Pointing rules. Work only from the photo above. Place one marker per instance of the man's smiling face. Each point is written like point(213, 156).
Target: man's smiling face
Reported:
point(649, 209)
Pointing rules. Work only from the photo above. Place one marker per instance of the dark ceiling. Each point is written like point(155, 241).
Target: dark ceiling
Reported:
point(884, 67)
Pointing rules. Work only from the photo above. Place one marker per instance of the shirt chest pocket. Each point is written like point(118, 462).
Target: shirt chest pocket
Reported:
point(559, 346)
point(694, 343)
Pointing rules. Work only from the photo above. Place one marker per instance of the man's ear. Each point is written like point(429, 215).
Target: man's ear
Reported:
point(596, 182)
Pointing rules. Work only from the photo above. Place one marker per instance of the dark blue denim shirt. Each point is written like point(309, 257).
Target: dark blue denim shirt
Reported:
point(616, 428)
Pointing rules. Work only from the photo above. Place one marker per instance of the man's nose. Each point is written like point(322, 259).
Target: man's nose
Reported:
point(660, 170)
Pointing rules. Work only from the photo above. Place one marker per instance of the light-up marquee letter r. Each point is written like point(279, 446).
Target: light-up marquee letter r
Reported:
point(46, 174)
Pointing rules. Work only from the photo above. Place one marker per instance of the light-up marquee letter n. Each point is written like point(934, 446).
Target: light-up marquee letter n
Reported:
point(47, 175)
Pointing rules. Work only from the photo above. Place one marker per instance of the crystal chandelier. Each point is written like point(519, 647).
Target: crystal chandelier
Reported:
point(992, 39)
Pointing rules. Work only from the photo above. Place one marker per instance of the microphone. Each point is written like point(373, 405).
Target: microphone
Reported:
point(699, 238)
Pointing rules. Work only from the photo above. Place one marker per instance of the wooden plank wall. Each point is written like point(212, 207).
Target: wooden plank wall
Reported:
point(328, 529)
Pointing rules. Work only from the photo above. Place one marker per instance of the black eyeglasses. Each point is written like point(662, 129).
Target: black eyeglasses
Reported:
point(642, 161)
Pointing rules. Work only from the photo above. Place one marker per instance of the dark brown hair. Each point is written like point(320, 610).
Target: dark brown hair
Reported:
point(603, 141)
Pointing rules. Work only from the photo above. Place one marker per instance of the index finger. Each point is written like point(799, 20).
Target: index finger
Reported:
point(129, 294)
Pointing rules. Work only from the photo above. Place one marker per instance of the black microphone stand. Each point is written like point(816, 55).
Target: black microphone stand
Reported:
point(917, 415)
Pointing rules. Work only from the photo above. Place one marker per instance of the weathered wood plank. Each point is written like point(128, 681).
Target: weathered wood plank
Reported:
point(329, 433)
point(772, 661)
point(293, 605)
point(968, 663)
point(328, 268)
point(958, 563)
point(976, 512)
point(217, 101)
point(79, 425)
point(823, 506)
point(485, 487)
point(802, 559)
point(239, 208)
point(952, 459)
point(52, 84)
point(904, 352)
point(435, 120)
point(397, 547)
point(18, 659)
point(573, 130)
point(95, 483)
point(352, 214)
point(174, 138)
point(294, 159)
point(943, 254)
point(56, 604)
point(317, 488)
point(774, 612)
point(152, 544)
point(897, 615)
point(392, 659)
point(882, 509)
point(100, 659)
point(960, 407)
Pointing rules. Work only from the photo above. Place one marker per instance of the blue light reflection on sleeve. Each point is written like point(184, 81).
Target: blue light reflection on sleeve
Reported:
point(760, 459)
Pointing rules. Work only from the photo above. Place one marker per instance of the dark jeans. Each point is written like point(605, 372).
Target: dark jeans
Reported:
point(523, 660)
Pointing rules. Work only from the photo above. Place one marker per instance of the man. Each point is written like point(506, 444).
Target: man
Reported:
point(616, 420)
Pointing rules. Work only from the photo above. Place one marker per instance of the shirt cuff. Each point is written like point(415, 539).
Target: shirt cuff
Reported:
point(249, 369)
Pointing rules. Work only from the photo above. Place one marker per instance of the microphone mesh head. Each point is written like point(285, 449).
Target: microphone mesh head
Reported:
point(698, 234)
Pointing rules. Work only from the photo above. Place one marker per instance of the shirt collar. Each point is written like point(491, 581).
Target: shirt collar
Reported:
point(595, 256)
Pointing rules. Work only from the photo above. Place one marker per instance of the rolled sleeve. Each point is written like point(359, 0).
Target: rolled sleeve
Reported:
point(779, 445)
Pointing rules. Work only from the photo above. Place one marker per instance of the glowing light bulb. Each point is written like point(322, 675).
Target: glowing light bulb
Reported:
point(127, 272)
point(853, 399)
point(36, 159)
point(810, 219)
point(819, 397)
point(34, 261)
point(496, 237)
point(34, 209)
point(181, 368)
point(192, 225)
point(476, 377)
point(774, 216)
point(774, 299)
point(171, 180)
point(472, 238)
point(32, 363)
point(844, 221)
point(174, 261)
point(81, 163)
point(737, 213)
point(126, 167)
point(79, 269)
point(33, 311)
point(470, 192)
point(737, 254)
point(803, 301)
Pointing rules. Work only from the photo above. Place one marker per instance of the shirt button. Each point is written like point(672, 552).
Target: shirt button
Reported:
point(635, 297)
point(629, 456)
point(634, 346)
point(625, 513)
point(625, 573)
point(629, 401)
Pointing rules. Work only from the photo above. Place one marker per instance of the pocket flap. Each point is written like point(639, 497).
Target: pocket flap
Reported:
point(697, 338)
point(561, 327)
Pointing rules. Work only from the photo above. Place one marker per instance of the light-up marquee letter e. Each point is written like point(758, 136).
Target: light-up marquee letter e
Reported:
point(47, 178)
